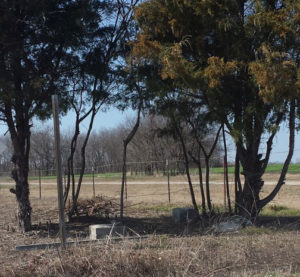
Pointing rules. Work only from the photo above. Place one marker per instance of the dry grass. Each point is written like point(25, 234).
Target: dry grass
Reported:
point(240, 255)
point(155, 194)
point(257, 251)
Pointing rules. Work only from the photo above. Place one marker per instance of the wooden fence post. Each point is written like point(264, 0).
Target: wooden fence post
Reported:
point(40, 184)
point(62, 227)
point(225, 188)
point(168, 174)
point(93, 175)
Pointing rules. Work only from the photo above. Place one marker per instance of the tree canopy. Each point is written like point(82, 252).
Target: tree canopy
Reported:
point(41, 42)
point(241, 59)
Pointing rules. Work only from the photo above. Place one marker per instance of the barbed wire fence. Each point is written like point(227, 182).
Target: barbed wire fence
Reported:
point(175, 167)
point(137, 168)
point(165, 168)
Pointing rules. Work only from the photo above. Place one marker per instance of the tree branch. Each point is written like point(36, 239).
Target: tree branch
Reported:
point(281, 182)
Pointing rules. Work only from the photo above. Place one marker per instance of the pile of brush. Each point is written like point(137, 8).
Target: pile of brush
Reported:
point(98, 206)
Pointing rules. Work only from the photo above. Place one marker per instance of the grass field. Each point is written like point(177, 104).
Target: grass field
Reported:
point(271, 168)
point(272, 248)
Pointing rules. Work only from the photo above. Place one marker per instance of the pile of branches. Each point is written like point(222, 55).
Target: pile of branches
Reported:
point(98, 206)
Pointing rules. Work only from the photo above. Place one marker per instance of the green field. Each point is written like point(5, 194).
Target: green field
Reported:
point(272, 168)
point(96, 175)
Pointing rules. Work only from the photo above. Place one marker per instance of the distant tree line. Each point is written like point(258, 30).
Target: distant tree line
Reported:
point(150, 148)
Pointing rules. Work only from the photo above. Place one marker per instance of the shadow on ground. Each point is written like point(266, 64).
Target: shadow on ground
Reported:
point(288, 223)
point(78, 228)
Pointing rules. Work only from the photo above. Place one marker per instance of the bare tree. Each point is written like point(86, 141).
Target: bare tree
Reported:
point(126, 141)
point(97, 72)
point(42, 150)
point(5, 154)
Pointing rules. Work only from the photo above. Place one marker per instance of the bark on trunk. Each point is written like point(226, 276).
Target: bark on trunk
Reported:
point(249, 201)
point(248, 198)
point(21, 144)
point(20, 175)
point(20, 137)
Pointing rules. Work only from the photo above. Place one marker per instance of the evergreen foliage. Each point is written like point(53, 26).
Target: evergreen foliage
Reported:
point(242, 59)
point(41, 44)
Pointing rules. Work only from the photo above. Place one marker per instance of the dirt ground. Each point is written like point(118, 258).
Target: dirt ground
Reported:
point(271, 249)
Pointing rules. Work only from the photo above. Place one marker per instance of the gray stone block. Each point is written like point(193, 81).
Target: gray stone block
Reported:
point(100, 231)
point(183, 215)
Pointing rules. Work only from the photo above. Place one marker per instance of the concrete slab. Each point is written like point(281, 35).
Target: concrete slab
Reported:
point(100, 231)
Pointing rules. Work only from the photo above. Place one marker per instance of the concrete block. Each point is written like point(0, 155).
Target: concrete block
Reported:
point(100, 231)
point(183, 215)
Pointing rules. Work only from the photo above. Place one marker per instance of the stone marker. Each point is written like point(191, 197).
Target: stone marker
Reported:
point(100, 231)
point(183, 215)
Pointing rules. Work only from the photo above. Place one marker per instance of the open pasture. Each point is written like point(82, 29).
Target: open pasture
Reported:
point(153, 190)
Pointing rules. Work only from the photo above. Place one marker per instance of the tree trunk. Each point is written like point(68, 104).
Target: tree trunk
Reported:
point(186, 163)
point(237, 183)
point(201, 185)
point(248, 197)
point(21, 144)
point(198, 162)
point(20, 175)
point(288, 159)
point(70, 162)
point(126, 141)
point(249, 202)
point(207, 184)
point(20, 137)
point(249, 207)
point(226, 170)
point(75, 195)
point(207, 158)
point(123, 180)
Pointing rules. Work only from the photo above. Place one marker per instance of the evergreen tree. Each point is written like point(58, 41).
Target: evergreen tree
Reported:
point(40, 41)
point(242, 59)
